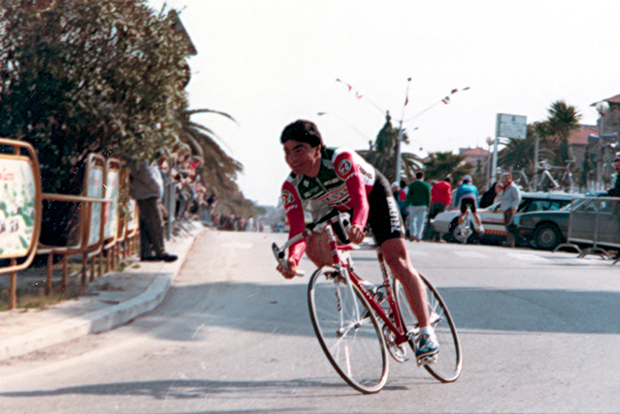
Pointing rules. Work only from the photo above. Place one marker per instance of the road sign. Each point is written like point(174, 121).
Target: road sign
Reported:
point(511, 126)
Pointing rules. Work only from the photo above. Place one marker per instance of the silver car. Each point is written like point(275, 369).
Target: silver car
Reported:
point(492, 217)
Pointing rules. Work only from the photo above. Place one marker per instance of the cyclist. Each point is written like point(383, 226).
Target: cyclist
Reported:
point(345, 181)
point(467, 195)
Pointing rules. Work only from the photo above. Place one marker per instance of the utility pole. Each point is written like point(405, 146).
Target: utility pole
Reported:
point(400, 135)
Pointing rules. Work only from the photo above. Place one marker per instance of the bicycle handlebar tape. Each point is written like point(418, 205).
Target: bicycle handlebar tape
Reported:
point(340, 231)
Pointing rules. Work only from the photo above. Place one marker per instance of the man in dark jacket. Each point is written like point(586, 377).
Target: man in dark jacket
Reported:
point(147, 189)
point(615, 192)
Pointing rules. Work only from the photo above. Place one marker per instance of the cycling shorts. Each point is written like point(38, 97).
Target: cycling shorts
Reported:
point(468, 202)
point(384, 216)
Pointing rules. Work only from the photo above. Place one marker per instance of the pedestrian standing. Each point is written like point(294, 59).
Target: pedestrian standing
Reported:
point(418, 201)
point(441, 195)
point(147, 189)
point(510, 200)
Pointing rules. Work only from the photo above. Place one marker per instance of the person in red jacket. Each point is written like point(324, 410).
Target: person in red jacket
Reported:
point(344, 181)
point(441, 196)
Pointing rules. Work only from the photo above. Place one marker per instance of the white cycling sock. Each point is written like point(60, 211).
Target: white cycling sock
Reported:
point(427, 330)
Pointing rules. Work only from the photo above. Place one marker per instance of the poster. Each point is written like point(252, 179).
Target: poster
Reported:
point(17, 207)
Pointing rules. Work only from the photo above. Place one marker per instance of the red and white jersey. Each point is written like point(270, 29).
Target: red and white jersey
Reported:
point(344, 181)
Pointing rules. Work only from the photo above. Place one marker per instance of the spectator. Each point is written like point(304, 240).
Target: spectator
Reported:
point(147, 188)
point(489, 197)
point(511, 197)
point(615, 192)
point(441, 195)
point(453, 199)
point(402, 203)
point(418, 202)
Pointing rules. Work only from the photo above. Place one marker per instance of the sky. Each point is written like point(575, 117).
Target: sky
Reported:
point(268, 63)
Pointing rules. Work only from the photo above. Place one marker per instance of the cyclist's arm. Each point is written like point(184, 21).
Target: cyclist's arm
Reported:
point(355, 186)
point(295, 215)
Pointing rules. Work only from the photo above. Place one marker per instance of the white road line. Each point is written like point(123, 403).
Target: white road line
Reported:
point(237, 245)
point(528, 257)
point(470, 254)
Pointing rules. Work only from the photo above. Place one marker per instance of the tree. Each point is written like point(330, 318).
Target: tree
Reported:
point(82, 76)
point(88, 75)
point(440, 165)
point(563, 119)
point(382, 153)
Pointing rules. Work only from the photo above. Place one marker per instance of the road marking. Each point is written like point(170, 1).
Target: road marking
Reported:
point(470, 254)
point(528, 257)
point(237, 245)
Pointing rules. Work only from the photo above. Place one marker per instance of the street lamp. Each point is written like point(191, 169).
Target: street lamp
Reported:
point(400, 135)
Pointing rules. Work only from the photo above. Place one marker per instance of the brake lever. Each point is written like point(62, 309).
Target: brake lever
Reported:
point(281, 259)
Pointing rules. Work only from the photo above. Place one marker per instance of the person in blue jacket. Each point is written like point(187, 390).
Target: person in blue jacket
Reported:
point(467, 196)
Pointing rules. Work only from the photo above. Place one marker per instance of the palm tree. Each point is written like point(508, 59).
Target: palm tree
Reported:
point(220, 169)
point(562, 120)
point(382, 153)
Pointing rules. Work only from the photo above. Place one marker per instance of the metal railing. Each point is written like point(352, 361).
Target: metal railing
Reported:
point(594, 222)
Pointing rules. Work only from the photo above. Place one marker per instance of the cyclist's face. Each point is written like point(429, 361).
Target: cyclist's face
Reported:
point(303, 158)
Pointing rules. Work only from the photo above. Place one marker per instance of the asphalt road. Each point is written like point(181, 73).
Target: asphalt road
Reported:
point(540, 333)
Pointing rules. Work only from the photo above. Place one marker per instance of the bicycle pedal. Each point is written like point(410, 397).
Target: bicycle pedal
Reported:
point(427, 360)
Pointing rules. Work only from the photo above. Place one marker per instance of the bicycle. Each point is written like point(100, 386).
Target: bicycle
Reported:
point(463, 232)
point(357, 323)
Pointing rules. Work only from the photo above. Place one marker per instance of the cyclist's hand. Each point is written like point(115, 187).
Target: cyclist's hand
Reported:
point(356, 234)
point(291, 271)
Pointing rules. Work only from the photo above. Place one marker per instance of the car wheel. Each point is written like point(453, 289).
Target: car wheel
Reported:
point(547, 236)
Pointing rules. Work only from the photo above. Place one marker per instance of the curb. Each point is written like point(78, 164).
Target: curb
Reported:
point(104, 319)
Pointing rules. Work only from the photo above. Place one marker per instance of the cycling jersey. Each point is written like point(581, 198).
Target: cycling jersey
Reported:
point(465, 190)
point(344, 182)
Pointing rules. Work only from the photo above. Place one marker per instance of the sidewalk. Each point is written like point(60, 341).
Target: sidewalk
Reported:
point(111, 300)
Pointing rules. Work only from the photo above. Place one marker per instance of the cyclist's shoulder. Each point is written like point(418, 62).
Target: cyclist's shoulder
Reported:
point(292, 180)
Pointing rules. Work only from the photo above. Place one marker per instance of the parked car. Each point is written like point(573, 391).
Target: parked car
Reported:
point(549, 229)
point(493, 218)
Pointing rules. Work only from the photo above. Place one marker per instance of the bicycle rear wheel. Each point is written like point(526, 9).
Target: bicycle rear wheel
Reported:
point(347, 331)
point(449, 360)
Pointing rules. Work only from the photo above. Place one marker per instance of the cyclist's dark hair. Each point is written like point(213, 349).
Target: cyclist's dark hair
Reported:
point(302, 131)
point(448, 180)
point(419, 175)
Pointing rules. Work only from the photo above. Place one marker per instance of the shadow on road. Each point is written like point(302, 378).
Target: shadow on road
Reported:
point(194, 388)
point(283, 309)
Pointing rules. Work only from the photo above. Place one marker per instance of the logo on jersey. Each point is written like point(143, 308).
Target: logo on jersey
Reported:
point(344, 167)
point(287, 198)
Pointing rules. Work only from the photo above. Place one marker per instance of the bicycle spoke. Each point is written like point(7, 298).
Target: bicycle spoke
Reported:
point(448, 365)
point(354, 346)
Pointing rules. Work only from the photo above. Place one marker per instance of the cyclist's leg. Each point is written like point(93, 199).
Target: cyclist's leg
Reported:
point(397, 258)
point(463, 207)
point(474, 210)
point(318, 251)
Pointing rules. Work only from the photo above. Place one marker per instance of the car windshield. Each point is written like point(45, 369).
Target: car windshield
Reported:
point(574, 204)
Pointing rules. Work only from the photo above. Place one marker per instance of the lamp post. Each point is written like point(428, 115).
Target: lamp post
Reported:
point(400, 135)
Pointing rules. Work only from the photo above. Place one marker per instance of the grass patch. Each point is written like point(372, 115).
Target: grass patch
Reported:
point(34, 297)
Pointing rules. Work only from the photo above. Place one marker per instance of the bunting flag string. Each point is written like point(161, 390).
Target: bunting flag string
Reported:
point(358, 94)
point(445, 100)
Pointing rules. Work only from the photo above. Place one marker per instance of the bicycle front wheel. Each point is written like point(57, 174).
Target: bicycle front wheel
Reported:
point(447, 368)
point(347, 331)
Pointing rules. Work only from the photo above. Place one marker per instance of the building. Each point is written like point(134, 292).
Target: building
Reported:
point(475, 155)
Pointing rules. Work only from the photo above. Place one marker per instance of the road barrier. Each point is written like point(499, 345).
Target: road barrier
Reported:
point(102, 232)
point(594, 222)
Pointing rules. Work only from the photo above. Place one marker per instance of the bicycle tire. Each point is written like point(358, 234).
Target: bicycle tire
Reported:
point(449, 360)
point(353, 345)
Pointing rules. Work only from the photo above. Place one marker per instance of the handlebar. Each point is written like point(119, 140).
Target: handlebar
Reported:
point(316, 227)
